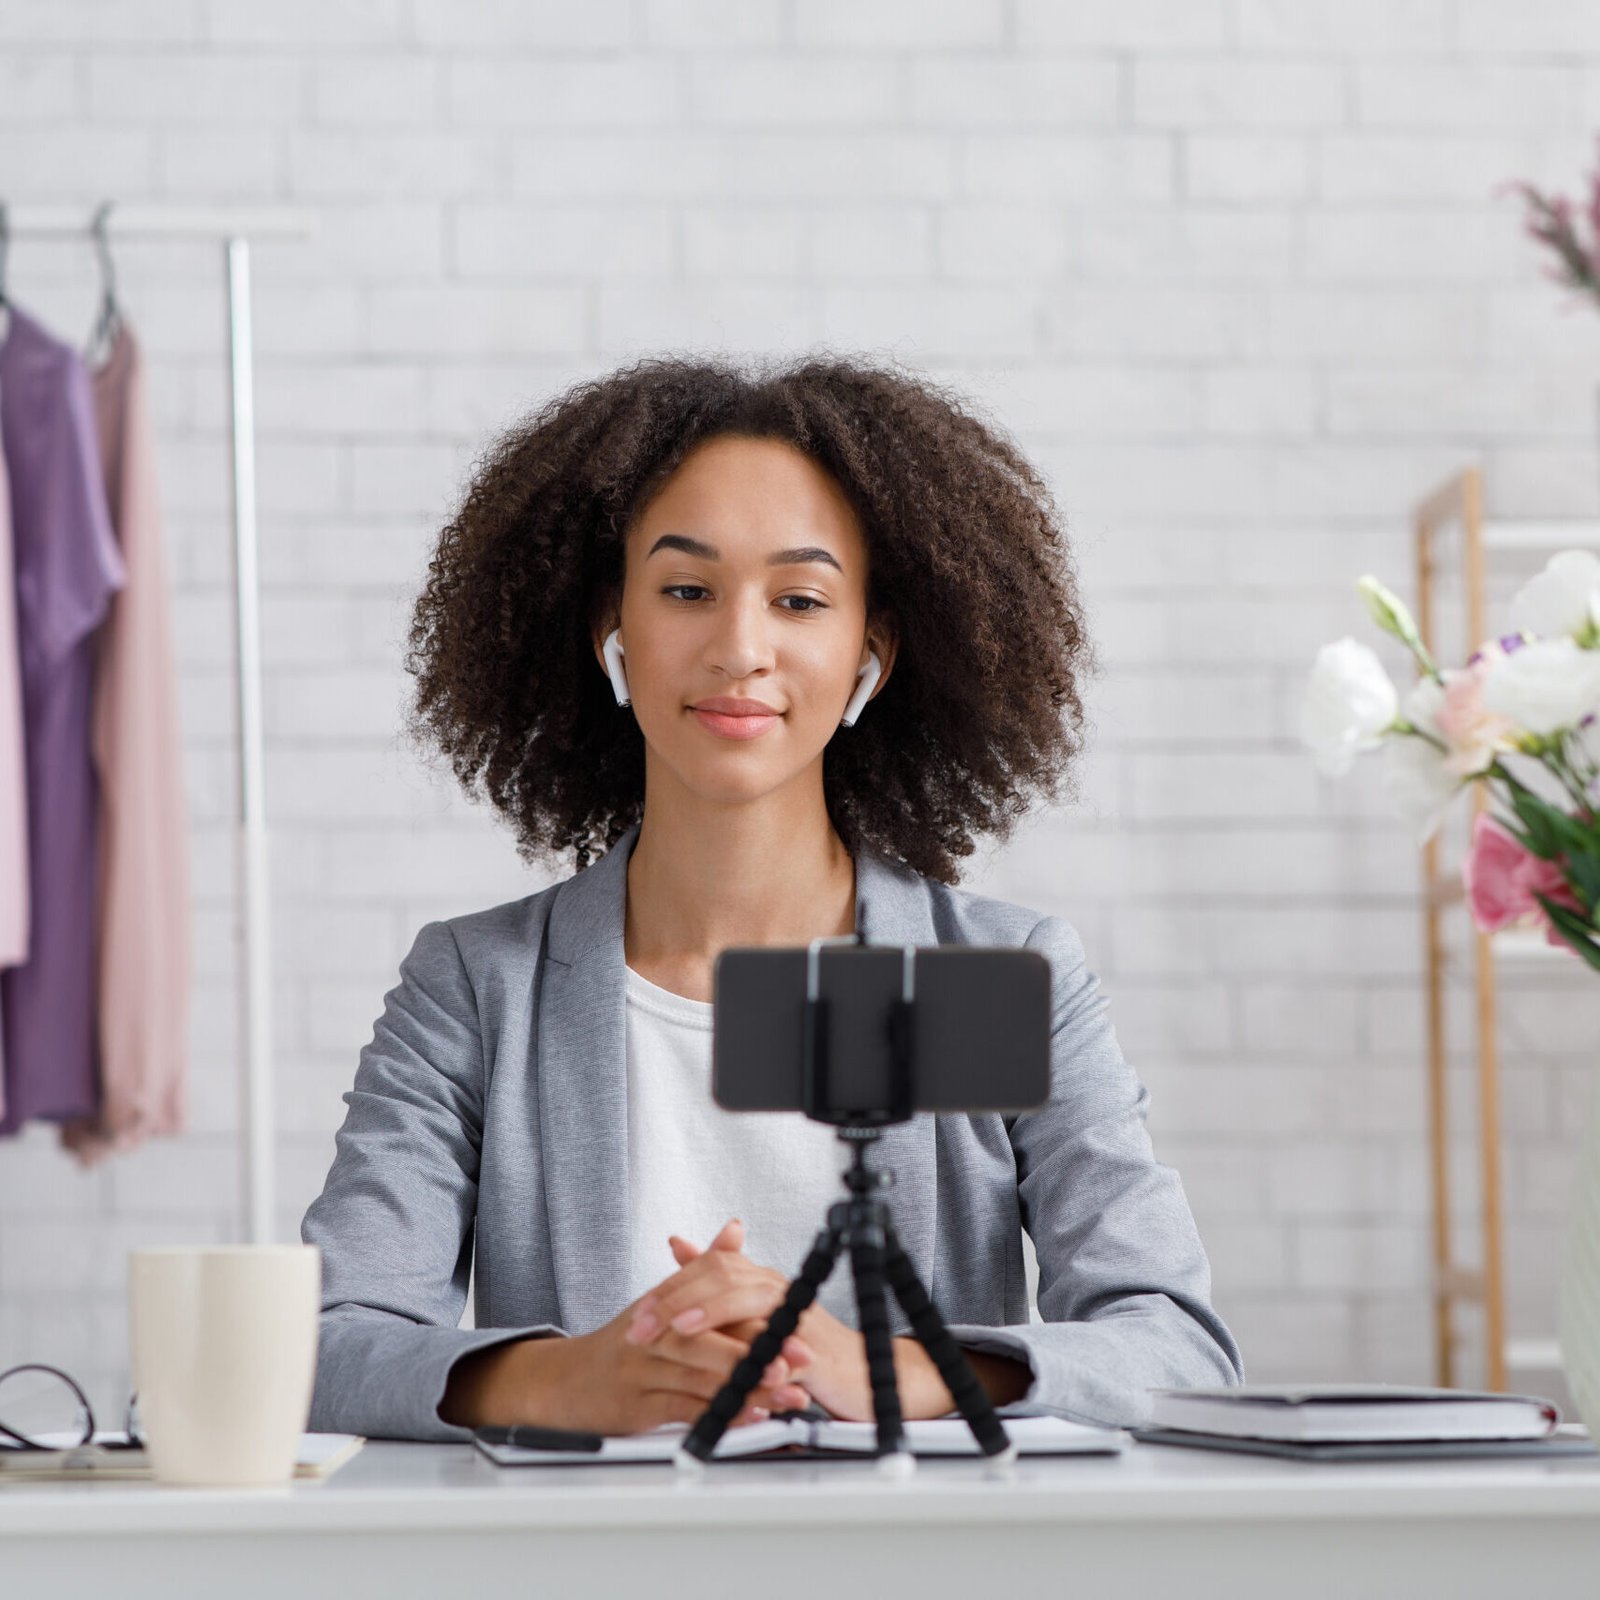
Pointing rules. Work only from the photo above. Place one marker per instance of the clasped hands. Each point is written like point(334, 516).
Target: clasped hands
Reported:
point(721, 1290)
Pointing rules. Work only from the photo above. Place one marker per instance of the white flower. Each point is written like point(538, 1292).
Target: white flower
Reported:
point(1348, 704)
point(1562, 600)
point(1545, 685)
point(1389, 611)
point(1417, 782)
point(1422, 705)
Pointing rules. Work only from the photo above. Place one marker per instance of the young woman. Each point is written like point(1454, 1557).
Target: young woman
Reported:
point(780, 644)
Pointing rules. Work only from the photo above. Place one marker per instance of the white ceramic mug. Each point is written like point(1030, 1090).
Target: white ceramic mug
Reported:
point(224, 1346)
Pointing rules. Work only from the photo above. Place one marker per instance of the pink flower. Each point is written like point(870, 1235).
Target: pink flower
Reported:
point(1475, 734)
point(1501, 879)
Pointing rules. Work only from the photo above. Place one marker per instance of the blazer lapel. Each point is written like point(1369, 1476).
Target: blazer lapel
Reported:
point(583, 1090)
point(582, 1072)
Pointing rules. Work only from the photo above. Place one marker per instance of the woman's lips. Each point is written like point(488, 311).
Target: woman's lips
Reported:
point(727, 727)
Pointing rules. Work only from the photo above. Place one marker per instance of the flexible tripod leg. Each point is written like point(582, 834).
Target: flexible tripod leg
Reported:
point(712, 1423)
point(971, 1398)
point(872, 1312)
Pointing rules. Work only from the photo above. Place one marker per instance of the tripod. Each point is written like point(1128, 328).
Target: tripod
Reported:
point(862, 1226)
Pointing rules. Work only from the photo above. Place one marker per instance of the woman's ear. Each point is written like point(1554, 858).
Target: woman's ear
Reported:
point(606, 617)
point(884, 643)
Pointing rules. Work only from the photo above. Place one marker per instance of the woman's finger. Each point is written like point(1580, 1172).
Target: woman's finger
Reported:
point(795, 1350)
point(713, 1275)
point(669, 1405)
point(731, 1237)
point(690, 1285)
point(716, 1264)
point(703, 1306)
point(715, 1355)
point(716, 1310)
point(705, 1383)
point(709, 1352)
point(648, 1304)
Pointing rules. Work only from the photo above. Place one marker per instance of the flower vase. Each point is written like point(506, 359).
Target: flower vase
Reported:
point(1578, 1297)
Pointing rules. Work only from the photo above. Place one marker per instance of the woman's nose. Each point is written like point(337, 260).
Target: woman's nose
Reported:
point(741, 644)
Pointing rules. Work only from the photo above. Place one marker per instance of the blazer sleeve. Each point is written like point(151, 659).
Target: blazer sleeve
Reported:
point(396, 1217)
point(1124, 1283)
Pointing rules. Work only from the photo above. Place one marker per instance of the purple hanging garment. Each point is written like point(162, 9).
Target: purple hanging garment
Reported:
point(68, 566)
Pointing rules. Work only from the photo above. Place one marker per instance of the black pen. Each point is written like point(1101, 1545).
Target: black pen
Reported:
point(524, 1436)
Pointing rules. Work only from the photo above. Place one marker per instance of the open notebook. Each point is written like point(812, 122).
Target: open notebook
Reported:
point(804, 1437)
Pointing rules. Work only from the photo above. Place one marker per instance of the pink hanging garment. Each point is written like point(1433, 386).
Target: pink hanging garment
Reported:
point(13, 780)
point(144, 906)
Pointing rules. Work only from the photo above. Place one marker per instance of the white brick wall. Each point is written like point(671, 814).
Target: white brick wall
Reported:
point(1230, 269)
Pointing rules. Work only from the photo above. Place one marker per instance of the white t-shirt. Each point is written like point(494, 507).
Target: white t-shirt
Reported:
point(692, 1165)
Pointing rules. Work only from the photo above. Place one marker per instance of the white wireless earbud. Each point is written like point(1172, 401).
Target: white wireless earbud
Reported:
point(612, 649)
point(868, 680)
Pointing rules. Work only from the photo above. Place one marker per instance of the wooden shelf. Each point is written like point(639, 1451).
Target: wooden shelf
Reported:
point(1533, 1355)
point(1518, 947)
point(1528, 944)
point(1537, 535)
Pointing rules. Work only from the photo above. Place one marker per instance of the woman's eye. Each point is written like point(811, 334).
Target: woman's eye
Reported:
point(807, 604)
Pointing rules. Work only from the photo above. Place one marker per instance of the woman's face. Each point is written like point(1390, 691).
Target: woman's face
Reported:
point(746, 579)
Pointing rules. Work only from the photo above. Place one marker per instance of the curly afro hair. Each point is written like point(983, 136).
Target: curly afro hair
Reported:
point(982, 711)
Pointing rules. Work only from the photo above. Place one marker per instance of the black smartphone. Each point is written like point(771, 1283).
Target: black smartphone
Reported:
point(980, 1026)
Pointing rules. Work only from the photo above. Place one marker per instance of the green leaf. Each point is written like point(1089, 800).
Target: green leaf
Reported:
point(1510, 825)
point(1575, 838)
point(1583, 874)
point(1538, 817)
point(1576, 844)
point(1574, 929)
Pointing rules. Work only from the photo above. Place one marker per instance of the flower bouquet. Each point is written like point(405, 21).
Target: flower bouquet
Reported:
point(1522, 717)
point(1551, 220)
point(1519, 718)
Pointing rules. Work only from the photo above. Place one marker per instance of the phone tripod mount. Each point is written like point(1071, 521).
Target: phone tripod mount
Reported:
point(863, 1227)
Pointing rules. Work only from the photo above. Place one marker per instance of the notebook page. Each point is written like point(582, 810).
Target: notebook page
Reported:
point(657, 1444)
point(950, 1436)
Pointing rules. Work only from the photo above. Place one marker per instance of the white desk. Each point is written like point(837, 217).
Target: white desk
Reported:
point(439, 1520)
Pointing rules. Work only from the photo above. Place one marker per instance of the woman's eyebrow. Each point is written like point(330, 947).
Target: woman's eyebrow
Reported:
point(800, 556)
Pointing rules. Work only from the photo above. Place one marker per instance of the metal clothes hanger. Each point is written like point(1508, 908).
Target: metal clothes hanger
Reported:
point(109, 319)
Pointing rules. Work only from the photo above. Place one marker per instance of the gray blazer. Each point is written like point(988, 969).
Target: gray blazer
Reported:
point(489, 1112)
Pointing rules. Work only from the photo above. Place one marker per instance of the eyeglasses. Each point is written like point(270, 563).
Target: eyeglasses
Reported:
point(53, 1413)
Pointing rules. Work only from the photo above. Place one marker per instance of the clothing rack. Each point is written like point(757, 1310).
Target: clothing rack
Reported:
point(233, 227)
